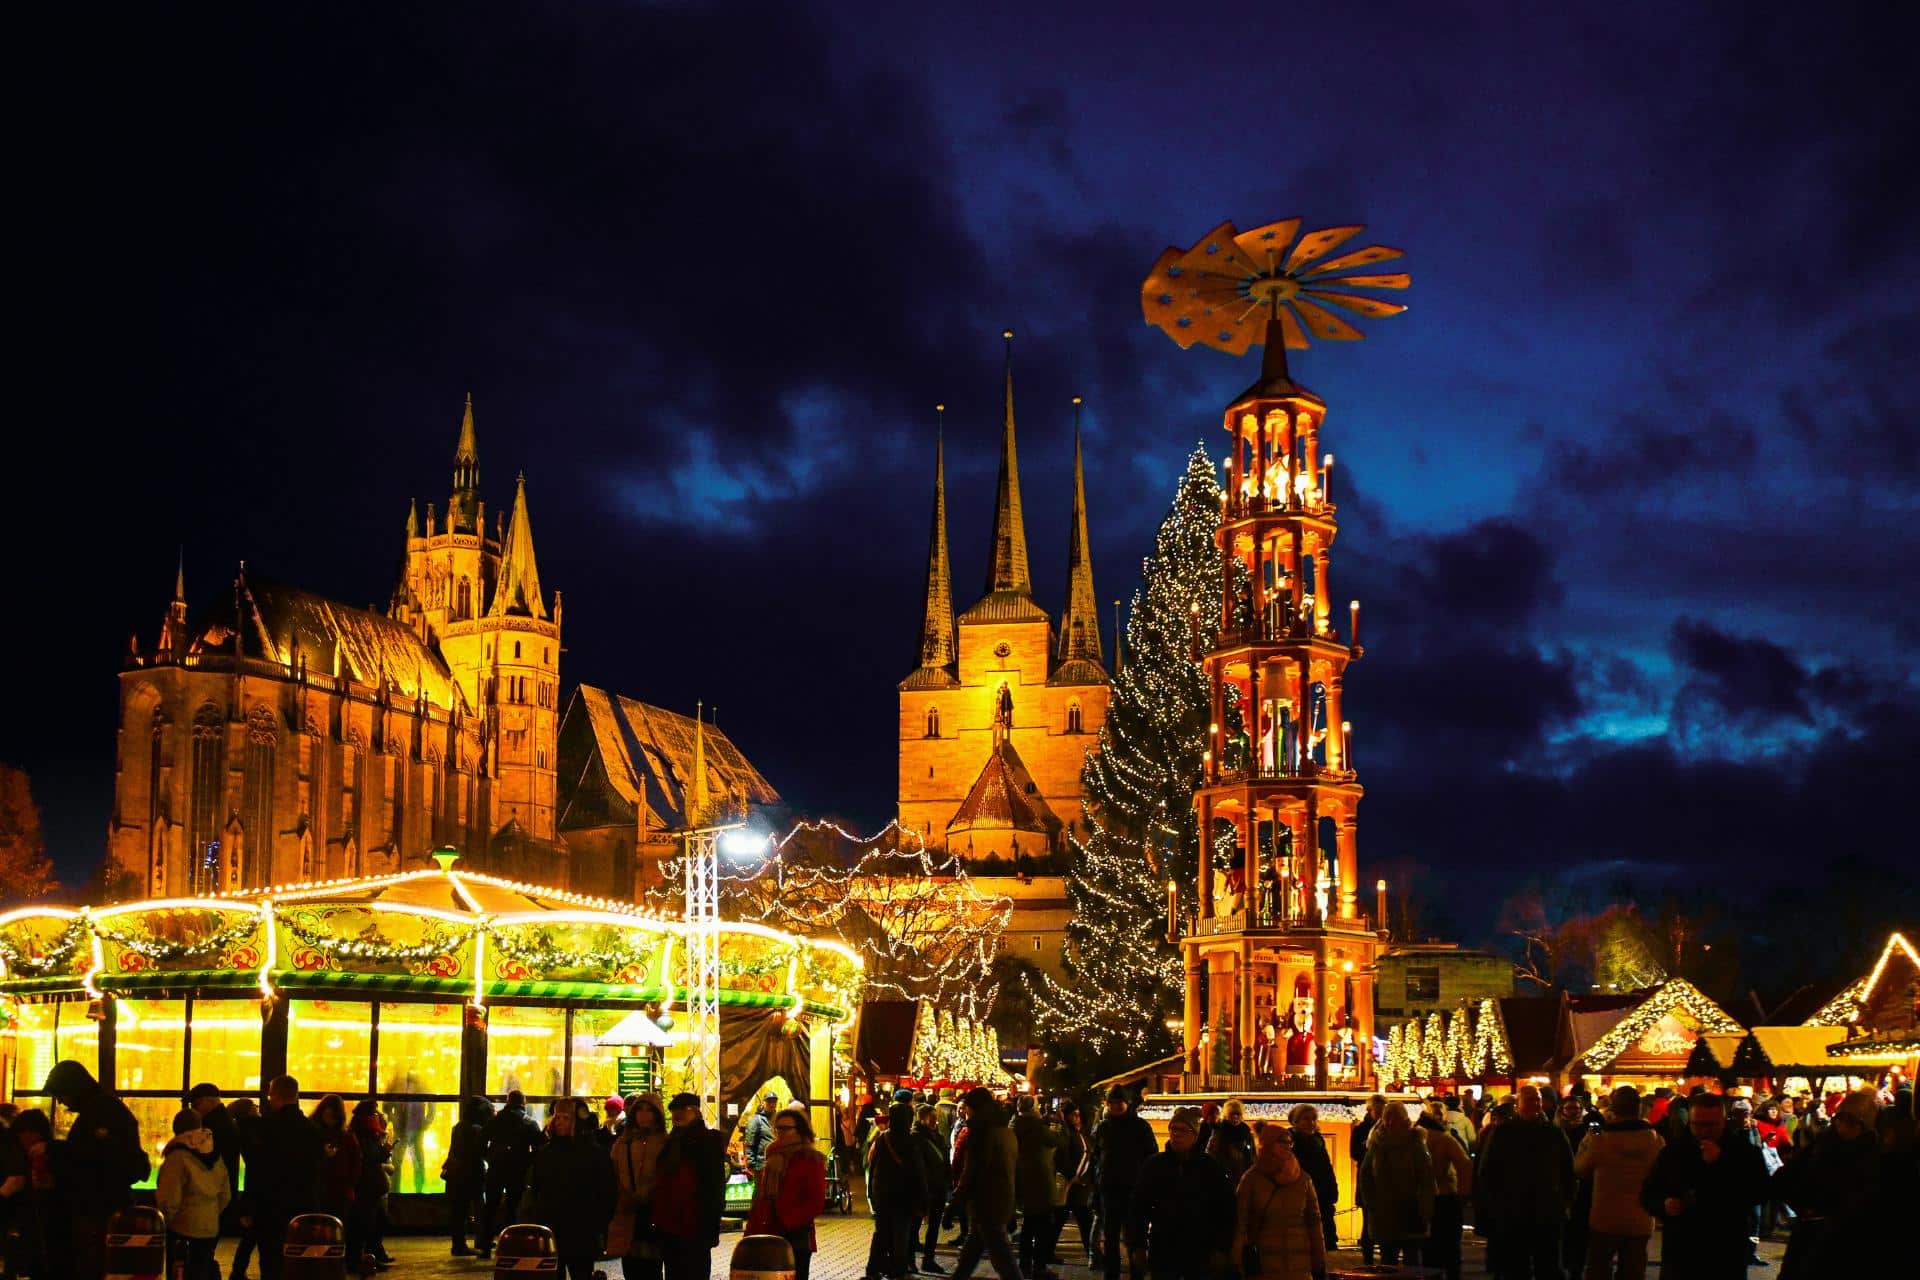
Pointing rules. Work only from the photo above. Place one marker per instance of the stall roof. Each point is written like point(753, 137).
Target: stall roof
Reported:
point(884, 1045)
point(1790, 1050)
point(1532, 1025)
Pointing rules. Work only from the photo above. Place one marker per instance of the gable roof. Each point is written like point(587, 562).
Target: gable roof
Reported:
point(1004, 797)
point(617, 754)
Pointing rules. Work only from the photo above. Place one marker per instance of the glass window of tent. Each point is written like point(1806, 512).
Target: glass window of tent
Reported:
point(595, 1070)
point(150, 1045)
point(33, 1045)
point(154, 1116)
point(225, 1038)
point(526, 1050)
point(329, 1044)
point(419, 1080)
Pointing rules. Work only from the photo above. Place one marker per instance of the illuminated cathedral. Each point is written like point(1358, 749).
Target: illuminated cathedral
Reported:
point(280, 736)
point(998, 716)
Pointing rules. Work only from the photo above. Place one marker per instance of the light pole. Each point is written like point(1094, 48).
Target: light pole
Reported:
point(704, 846)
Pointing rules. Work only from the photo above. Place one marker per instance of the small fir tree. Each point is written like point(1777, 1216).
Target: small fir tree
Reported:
point(1123, 978)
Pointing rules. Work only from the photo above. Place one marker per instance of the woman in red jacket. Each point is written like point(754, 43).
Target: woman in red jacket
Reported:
point(792, 1190)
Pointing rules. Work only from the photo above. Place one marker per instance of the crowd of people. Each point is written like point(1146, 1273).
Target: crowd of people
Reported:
point(1557, 1186)
point(636, 1179)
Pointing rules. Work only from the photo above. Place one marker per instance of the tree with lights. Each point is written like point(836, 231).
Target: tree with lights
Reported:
point(1123, 976)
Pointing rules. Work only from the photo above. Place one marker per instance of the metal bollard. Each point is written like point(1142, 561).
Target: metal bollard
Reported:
point(761, 1258)
point(524, 1247)
point(316, 1248)
point(137, 1244)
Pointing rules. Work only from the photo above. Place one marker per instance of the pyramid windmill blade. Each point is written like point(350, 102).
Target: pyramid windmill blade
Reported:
point(1315, 243)
point(1275, 238)
point(1157, 290)
point(1359, 303)
point(1324, 324)
point(1358, 258)
point(1398, 280)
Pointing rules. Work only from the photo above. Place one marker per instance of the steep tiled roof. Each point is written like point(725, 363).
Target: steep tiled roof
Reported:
point(1004, 797)
point(615, 750)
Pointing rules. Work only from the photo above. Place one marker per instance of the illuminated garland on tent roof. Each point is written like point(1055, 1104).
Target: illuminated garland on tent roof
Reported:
point(1673, 994)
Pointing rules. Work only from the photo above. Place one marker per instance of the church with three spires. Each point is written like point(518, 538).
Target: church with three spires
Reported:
point(997, 718)
point(277, 736)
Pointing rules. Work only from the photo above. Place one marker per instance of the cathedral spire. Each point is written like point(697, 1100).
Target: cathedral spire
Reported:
point(1007, 557)
point(519, 587)
point(413, 519)
point(936, 630)
point(463, 508)
point(1080, 623)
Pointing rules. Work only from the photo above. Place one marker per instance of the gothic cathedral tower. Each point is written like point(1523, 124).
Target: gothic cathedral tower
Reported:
point(478, 600)
point(997, 718)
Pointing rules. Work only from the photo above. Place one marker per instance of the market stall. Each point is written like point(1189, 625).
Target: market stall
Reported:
point(419, 989)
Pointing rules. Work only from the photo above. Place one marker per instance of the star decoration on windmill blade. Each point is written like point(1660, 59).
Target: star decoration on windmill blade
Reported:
point(1231, 288)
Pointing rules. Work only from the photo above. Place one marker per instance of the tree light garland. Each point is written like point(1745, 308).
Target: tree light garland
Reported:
point(1675, 993)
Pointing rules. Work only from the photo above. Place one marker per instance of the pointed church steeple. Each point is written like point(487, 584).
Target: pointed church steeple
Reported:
point(936, 631)
point(463, 509)
point(519, 587)
point(173, 627)
point(1007, 557)
point(413, 519)
point(1080, 623)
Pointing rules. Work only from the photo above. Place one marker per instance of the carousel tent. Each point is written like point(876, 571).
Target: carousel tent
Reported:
point(420, 989)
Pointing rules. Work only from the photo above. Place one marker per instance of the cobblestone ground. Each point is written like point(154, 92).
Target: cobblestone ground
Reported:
point(843, 1255)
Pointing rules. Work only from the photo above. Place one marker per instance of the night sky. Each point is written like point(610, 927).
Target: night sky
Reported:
point(1629, 495)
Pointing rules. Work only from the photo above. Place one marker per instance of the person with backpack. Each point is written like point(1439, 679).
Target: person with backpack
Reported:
point(103, 1158)
point(192, 1191)
point(1277, 1233)
point(512, 1138)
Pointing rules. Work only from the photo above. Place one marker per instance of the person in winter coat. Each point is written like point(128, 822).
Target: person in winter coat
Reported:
point(1070, 1164)
point(366, 1242)
point(1122, 1145)
point(38, 1239)
point(1836, 1186)
point(1452, 1184)
point(192, 1191)
point(636, 1169)
point(512, 1138)
point(339, 1158)
point(1310, 1149)
point(206, 1103)
point(1458, 1122)
point(1702, 1190)
point(245, 1113)
point(283, 1172)
point(1396, 1187)
point(465, 1174)
point(102, 1159)
point(1523, 1185)
point(897, 1194)
point(1615, 1160)
point(937, 1175)
point(571, 1191)
point(1362, 1133)
point(1575, 1122)
point(792, 1188)
point(1231, 1142)
point(985, 1187)
point(760, 1132)
point(1277, 1212)
point(690, 1191)
point(1035, 1142)
point(1183, 1208)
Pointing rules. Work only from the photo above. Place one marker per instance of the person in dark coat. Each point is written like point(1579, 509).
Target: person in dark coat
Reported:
point(1361, 1132)
point(339, 1158)
point(283, 1172)
point(897, 1193)
point(1575, 1120)
point(1523, 1187)
point(512, 1138)
point(1070, 1162)
point(1035, 1142)
point(465, 1176)
point(1231, 1142)
point(1122, 1145)
point(571, 1189)
point(245, 1114)
point(100, 1161)
point(1702, 1190)
point(365, 1238)
point(937, 1175)
point(1835, 1187)
point(690, 1191)
point(1310, 1149)
point(1183, 1211)
point(986, 1185)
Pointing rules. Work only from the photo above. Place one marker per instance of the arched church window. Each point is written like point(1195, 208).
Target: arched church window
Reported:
point(933, 722)
point(516, 650)
point(1073, 717)
point(463, 604)
point(209, 776)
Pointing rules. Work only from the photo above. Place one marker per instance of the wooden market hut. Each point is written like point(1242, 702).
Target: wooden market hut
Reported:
point(420, 989)
point(1644, 1037)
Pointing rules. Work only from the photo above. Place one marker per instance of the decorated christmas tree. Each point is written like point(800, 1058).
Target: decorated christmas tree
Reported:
point(1123, 977)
